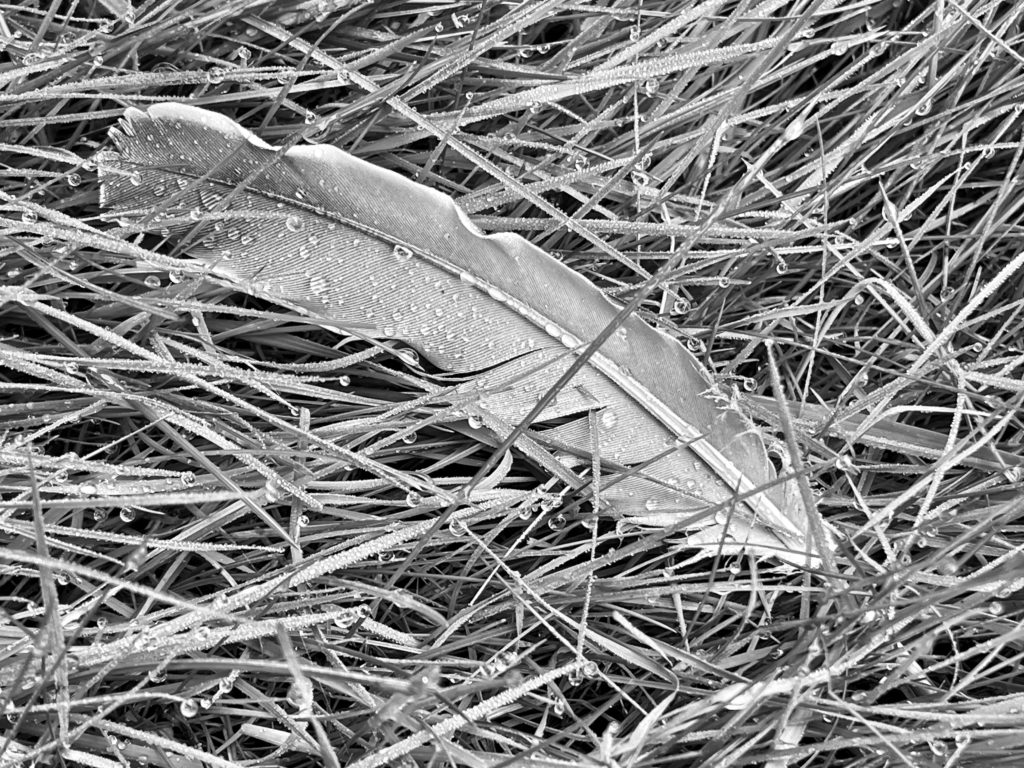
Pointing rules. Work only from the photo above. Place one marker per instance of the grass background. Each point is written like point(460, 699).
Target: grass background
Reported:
point(845, 183)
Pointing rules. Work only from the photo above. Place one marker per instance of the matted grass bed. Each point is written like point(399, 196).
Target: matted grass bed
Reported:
point(236, 535)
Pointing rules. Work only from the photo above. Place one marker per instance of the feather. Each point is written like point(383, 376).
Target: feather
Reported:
point(368, 248)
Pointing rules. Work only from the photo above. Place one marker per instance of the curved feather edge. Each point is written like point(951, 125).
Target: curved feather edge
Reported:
point(365, 246)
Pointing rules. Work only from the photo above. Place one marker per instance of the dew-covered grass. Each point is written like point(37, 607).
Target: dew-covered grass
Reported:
point(228, 530)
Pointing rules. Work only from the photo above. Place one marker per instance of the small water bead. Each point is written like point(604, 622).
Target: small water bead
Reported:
point(74, 179)
point(127, 514)
point(475, 421)
point(151, 281)
point(681, 306)
point(413, 499)
point(293, 223)
point(457, 528)
point(344, 381)
point(402, 253)
point(135, 178)
point(303, 521)
point(157, 675)
point(318, 284)
point(188, 708)
point(781, 267)
point(858, 299)
point(608, 419)
point(409, 439)
point(29, 217)
point(557, 522)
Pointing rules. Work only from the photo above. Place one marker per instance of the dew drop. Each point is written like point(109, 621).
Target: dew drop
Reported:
point(344, 381)
point(74, 179)
point(188, 708)
point(127, 514)
point(557, 522)
point(29, 217)
point(413, 499)
point(608, 419)
point(293, 224)
point(401, 253)
point(152, 281)
point(497, 295)
point(135, 178)
point(475, 422)
point(317, 285)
